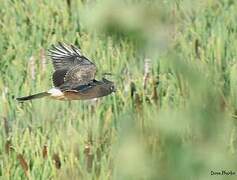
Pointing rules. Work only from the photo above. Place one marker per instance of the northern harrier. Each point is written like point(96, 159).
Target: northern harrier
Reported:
point(74, 76)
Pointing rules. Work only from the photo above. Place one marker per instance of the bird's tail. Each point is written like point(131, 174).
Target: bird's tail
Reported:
point(34, 96)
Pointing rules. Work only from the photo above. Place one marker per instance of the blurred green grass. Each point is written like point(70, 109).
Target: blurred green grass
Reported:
point(180, 125)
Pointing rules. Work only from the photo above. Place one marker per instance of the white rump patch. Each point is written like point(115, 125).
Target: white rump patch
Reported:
point(55, 92)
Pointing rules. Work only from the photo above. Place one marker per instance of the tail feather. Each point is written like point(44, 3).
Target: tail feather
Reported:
point(34, 96)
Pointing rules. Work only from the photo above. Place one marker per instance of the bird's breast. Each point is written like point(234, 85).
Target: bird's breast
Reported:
point(90, 93)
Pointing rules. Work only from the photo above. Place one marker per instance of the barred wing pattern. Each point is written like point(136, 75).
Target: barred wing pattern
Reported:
point(65, 56)
point(76, 68)
point(80, 74)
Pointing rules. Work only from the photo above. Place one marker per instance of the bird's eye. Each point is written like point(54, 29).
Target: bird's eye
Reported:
point(112, 88)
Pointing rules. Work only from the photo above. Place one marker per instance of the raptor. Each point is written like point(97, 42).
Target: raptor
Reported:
point(74, 76)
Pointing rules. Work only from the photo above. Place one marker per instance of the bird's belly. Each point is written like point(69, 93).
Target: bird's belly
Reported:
point(71, 95)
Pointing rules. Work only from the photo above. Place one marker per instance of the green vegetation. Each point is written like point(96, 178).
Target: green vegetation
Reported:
point(174, 113)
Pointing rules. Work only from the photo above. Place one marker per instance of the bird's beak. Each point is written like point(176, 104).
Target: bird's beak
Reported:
point(114, 89)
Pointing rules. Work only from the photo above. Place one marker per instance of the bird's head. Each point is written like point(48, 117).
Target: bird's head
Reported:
point(109, 85)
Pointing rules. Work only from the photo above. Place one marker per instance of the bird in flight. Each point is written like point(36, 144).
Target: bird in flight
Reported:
point(74, 77)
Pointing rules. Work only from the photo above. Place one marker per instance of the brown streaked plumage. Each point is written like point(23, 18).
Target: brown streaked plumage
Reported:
point(74, 76)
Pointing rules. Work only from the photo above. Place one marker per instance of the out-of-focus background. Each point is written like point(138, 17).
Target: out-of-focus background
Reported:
point(174, 115)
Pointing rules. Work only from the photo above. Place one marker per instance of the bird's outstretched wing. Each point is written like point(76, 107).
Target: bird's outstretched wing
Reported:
point(71, 67)
point(67, 56)
point(80, 74)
